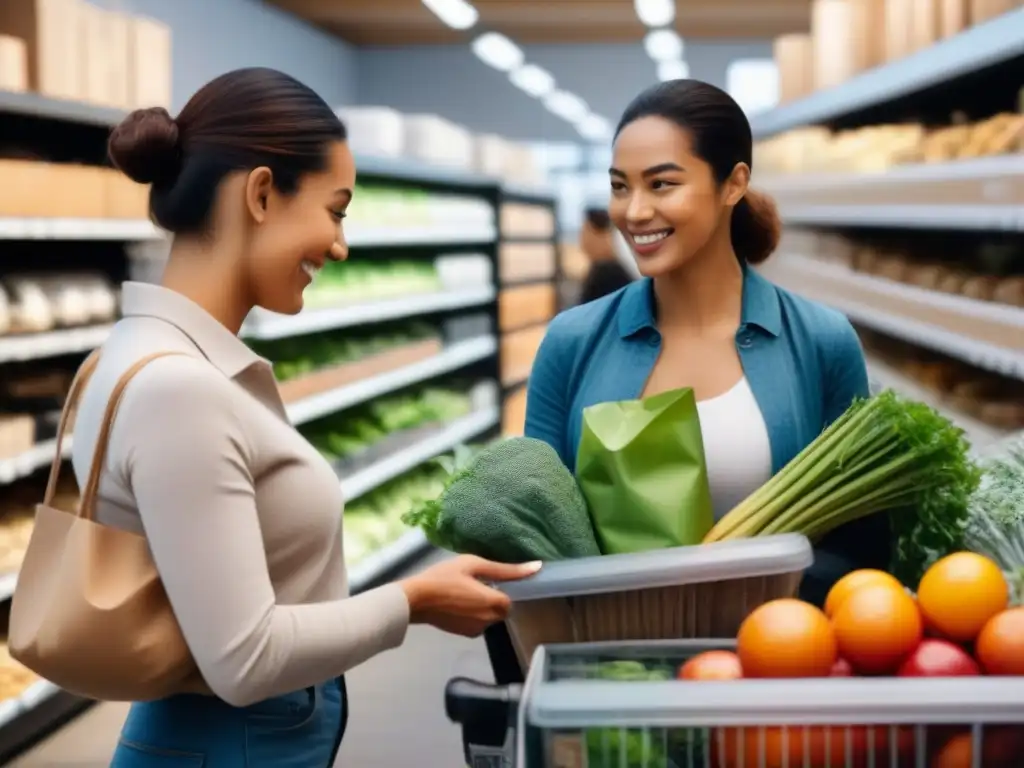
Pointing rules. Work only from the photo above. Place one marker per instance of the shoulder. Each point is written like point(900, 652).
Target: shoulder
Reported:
point(823, 328)
point(577, 327)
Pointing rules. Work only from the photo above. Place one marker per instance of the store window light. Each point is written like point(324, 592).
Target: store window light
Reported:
point(673, 70)
point(534, 80)
point(566, 105)
point(457, 14)
point(663, 45)
point(594, 128)
point(655, 13)
point(496, 50)
point(754, 84)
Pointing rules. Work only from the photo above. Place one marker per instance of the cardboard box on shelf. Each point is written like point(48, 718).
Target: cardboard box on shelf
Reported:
point(53, 42)
point(835, 59)
point(794, 58)
point(105, 57)
point(898, 23)
point(868, 16)
point(124, 199)
point(45, 190)
point(925, 23)
point(954, 17)
point(526, 305)
point(149, 63)
point(13, 64)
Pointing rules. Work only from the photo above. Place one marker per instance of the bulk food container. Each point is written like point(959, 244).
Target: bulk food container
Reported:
point(681, 592)
point(617, 705)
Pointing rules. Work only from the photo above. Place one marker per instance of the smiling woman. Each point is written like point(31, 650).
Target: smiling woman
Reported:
point(769, 369)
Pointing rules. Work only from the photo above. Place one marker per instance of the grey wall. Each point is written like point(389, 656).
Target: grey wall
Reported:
point(450, 81)
point(214, 36)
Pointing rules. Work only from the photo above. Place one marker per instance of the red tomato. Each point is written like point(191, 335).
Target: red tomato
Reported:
point(841, 668)
point(939, 658)
point(810, 747)
point(712, 665)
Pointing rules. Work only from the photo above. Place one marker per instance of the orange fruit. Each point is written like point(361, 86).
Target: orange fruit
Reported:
point(1002, 747)
point(818, 746)
point(786, 638)
point(851, 582)
point(959, 593)
point(1000, 645)
point(712, 665)
point(877, 628)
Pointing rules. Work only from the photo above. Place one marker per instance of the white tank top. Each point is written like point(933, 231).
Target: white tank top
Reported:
point(736, 446)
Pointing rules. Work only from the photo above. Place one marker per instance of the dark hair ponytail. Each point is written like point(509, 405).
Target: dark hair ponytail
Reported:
point(755, 227)
point(721, 136)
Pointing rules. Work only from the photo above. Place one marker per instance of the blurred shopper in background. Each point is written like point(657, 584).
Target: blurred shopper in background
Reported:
point(770, 370)
point(241, 514)
point(606, 273)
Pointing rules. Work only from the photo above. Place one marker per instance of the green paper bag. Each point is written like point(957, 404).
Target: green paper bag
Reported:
point(641, 468)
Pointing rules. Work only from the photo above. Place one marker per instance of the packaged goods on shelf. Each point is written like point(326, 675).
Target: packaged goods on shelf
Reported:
point(526, 305)
point(513, 419)
point(35, 189)
point(396, 208)
point(518, 350)
point(42, 302)
point(523, 262)
point(375, 131)
point(51, 31)
point(13, 64)
point(527, 221)
point(432, 139)
point(877, 148)
point(464, 271)
point(794, 58)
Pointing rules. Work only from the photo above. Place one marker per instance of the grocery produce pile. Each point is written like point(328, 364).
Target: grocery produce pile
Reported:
point(884, 455)
point(299, 355)
point(355, 431)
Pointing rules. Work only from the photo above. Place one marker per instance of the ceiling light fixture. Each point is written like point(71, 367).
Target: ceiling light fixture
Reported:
point(566, 105)
point(594, 128)
point(457, 14)
point(663, 45)
point(496, 50)
point(655, 13)
point(534, 80)
point(673, 70)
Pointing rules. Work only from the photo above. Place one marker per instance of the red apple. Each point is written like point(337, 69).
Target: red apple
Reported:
point(841, 668)
point(939, 658)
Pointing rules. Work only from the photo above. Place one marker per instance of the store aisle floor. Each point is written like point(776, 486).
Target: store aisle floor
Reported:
point(397, 714)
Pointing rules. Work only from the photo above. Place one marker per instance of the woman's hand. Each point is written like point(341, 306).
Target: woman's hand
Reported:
point(452, 596)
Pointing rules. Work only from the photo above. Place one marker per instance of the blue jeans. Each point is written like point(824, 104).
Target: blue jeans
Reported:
point(297, 730)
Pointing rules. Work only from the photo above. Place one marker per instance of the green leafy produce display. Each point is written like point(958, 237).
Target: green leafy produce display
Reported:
point(886, 454)
point(348, 433)
point(300, 355)
point(513, 501)
point(353, 282)
point(375, 520)
point(374, 205)
point(995, 524)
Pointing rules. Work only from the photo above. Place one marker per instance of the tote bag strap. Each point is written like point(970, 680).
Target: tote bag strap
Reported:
point(87, 505)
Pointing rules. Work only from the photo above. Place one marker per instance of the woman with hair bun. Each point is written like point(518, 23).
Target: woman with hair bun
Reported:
point(770, 370)
point(242, 516)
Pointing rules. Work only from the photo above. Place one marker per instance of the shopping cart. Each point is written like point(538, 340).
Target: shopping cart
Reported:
point(679, 592)
point(616, 705)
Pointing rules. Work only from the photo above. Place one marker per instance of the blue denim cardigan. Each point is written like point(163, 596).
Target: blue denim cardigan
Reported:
point(803, 361)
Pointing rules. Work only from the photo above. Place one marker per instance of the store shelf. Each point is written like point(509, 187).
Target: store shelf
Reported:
point(991, 43)
point(30, 699)
point(407, 459)
point(266, 326)
point(37, 457)
point(15, 228)
point(453, 358)
point(977, 194)
point(370, 571)
point(985, 334)
point(34, 105)
point(34, 346)
point(980, 434)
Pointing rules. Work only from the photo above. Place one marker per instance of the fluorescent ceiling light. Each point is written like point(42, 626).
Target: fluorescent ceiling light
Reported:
point(673, 70)
point(663, 45)
point(457, 14)
point(496, 50)
point(566, 105)
point(595, 128)
point(655, 13)
point(533, 80)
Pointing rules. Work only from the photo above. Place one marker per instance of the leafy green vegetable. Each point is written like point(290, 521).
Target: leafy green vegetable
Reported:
point(514, 501)
point(884, 454)
point(995, 526)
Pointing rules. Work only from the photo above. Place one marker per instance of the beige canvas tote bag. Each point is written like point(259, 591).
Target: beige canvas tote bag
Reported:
point(89, 612)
